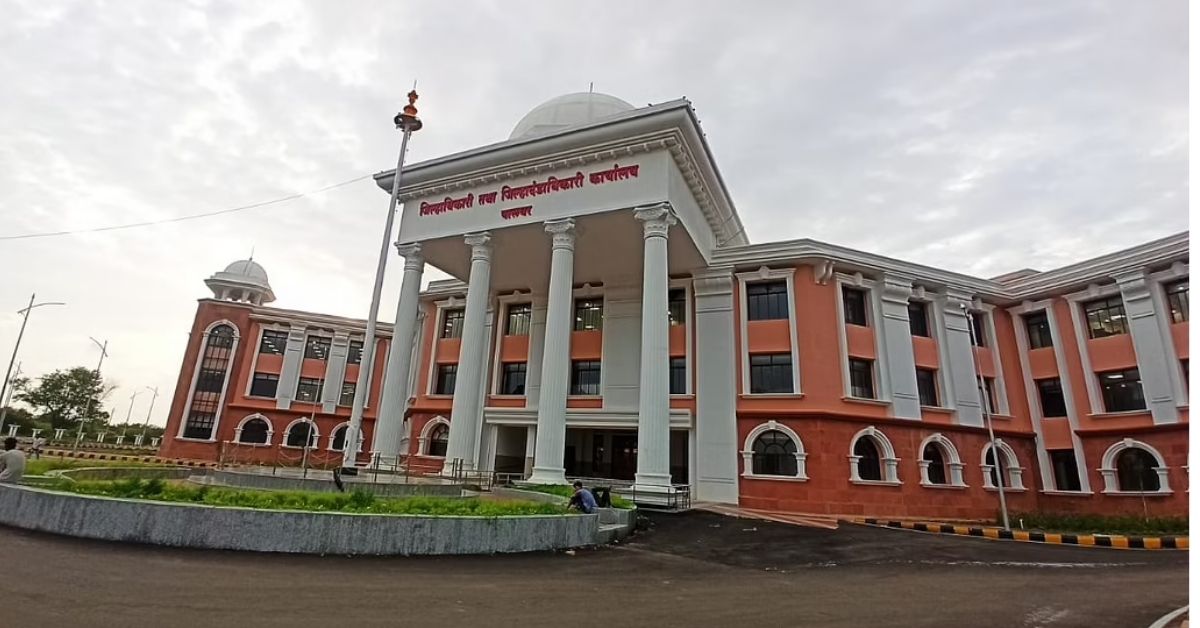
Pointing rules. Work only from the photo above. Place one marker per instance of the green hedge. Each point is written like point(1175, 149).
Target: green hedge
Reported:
point(565, 490)
point(1100, 524)
point(355, 502)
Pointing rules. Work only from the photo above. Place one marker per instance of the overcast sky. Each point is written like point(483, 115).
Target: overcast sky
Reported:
point(978, 136)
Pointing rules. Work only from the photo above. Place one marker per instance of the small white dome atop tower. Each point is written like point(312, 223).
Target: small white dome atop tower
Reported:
point(244, 280)
point(566, 111)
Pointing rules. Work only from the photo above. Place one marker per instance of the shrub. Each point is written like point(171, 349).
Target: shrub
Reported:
point(1101, 524)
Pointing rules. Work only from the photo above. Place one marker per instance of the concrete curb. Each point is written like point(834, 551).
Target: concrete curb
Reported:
point(1083, 540)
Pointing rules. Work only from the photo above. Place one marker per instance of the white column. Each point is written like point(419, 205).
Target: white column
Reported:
point(556, 358)
point(961, 364)
point(897, 344)
point(716, 391)
point(389, 427)
point(533, 368)
point(654, 398)
point(467, 410)
point(530, 439)
point(1149, 346)
point(289, 375)
point(335, 372)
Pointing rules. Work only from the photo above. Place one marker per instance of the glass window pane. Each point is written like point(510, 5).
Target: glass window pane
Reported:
point(1122, 391)
point(589, 314)
point(862, 379)
point(519, 315)
point(927, 389)
point(918, 318)
point(767, 300)
point(854, 306)
point(452, 322)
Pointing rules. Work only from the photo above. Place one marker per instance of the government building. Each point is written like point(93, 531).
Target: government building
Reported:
point(609, 318)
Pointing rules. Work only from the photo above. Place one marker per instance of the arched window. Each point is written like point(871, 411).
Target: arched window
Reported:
point(438, 439)
point(254, 431)
point(1134, 467)
point(1007, 473)
point(339, 438)
point(937, 464)
point(212, 371)
point(872, 458)
point(773, 451)
point(774, 454)
point(1136, 470)
point(301, 432)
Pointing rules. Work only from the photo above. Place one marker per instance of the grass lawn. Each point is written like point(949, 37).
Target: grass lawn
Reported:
point(309, 501)
point(565, 490)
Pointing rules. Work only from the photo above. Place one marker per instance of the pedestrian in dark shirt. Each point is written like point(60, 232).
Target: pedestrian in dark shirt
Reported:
point(582, 500)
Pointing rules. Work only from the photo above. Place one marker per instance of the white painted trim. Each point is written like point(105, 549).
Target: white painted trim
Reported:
point(1032, 398)
point(503, 303)
point(993, 346)
point(748, 452)
point(1108, 468)
point(1162, 314)
point(887, 458)
point(426, 433)
point(1015, 470)
point(333, 436)
point(198, 364)
point(1076, 301)
point(689, 326)
point(949, 454)
point(438, 320)
point(237, 434)
point(768, 274)
point(314, 436)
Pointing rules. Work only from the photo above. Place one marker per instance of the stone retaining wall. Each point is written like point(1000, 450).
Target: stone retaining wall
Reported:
point(240, 479)
point(218, 527)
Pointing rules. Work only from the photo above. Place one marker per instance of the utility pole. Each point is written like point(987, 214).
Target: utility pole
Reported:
point(88, 409)
point(984, 402)
point(146, 425)
point(408, 122)
point(8, 375)
point(7, 399)
point(129, 412)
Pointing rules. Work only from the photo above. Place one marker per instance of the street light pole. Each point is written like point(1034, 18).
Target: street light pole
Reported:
point(20, 334)
point(981, 385)
point(129, 412)
point(88, 409)
point(408, 122)
point(146, 425)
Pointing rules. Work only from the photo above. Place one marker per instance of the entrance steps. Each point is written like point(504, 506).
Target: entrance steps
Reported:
point(810, 520)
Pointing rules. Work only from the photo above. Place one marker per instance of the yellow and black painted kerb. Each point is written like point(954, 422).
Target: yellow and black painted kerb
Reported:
point(1086, 540)
point(91, 455)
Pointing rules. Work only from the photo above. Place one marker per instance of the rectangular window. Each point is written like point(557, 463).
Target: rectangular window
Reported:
point(918, 318)
point(978, 329)
point(316, 347)
point(766, 301)
point(771, 373)
point(309, 389)
point(446, 374)
point(452, 322)
point(862, 379)
point(1105, 317)
point(1122, 391)
point(347, 396)
point(854, 306)
point(273, 342)
point(354, 352)
point(517, 322)
point(677, 306)
point(585, 377)
point(512, 380)
point(1051, 395)
point(1066, 472)
point(210, 380)
point(927, 388)
point(1037, 327)
point(678, 376)
point(264, 385)
point(1177, 300)
point(989, 389)
point(589, 314)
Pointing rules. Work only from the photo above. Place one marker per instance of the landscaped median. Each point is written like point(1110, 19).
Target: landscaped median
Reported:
point(162, 513)
point(1119, 541)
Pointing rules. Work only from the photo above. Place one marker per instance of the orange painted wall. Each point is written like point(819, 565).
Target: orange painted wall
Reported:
point(1072, 357)
point(1057, 433)
point(1179, 337)
point(769, 336)
point(1111, 353)
point(860, 341)
point(678, 340)
point(925, 352)
point(1010, 366)
point(586, 345)
point(1042, 363)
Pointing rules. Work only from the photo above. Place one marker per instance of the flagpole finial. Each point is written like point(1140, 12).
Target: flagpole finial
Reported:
point(407, 118)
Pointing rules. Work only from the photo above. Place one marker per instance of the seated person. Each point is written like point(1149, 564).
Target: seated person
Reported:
point(582, 500)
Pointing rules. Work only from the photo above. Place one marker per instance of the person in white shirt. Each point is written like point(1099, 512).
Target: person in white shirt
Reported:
point(12, 462)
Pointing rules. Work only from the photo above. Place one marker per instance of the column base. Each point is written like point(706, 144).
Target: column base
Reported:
point(463, 466)
point(548, 475)
point(652, 482)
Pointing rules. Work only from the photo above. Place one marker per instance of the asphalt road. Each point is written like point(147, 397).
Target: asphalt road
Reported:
point(687, 570)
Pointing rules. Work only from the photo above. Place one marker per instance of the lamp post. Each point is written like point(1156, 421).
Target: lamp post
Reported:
point(88, 409)
point(8, 375)
point(129, 412)
point(985, 403)
point(408, 122)
point(153, 389)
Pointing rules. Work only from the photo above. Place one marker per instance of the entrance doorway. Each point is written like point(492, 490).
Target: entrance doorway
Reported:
point(612, 454)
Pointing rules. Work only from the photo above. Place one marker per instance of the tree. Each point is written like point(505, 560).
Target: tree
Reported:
point(62, 397)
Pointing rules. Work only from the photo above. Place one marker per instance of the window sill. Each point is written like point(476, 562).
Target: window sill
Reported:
point(952, 486)
point(498, 396)
point(261, 397)
point(196, 440)
point(240, 444)
point(867, 401)
point(774, 478)
point(771, 396)
point(1166, 493)
point(1007, 489)
point(1002, 417)
point(877, 482)
point(1057, 493)
point(684, 396)
point(1117, 415)
point(937, 409)
point(439, 396)
point(585, 397)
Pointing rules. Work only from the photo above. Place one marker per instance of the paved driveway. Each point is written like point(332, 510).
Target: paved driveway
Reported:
point(688, 570)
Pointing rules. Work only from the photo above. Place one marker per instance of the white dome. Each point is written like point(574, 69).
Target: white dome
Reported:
point(247, 268)
point(567, 111)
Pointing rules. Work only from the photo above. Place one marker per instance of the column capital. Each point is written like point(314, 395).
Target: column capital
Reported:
point(656, 219)
point(562, 232)
point(896, 288)
point(411, 252)
point(481, 245)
